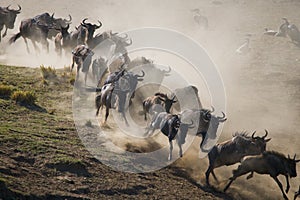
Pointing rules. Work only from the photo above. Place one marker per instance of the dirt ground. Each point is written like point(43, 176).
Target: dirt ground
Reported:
point(262, 90)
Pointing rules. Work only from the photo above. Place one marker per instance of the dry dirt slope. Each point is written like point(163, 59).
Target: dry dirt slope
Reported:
point(41, 156)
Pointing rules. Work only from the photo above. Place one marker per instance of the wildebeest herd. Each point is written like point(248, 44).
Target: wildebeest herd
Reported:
point(117, 85)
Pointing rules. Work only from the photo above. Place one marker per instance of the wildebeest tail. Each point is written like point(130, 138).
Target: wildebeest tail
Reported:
point(14, 38)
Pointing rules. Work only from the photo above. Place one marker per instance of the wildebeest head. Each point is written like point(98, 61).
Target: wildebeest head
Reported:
point(214, 124)
point(260, 142)
point(167, 101)
point(10, 16)
point(91, 27)
point(290, 166)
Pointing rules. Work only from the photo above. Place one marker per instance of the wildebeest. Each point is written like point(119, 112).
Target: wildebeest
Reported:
point(86, 31)
point(200, 19)
point(115, 91)
point(82, 35)
point(37, 30)
point(282, 31)
point(297, 193)
point(184, 103)
point(206, 123)
point(294, 33)
point(169, 124)
point(232, 151)
point(8, 18)
point(99, 67)
point(82, 56)
point(269, 162)
point(159, 100)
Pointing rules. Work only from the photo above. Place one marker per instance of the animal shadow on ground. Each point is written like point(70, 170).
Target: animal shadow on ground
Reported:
point(34, 107)
point(177, 171)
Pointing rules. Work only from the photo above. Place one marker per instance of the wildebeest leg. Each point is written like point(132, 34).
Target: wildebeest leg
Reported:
point(73, 63)
point(78, 70)
point(106, 114)
point(5, 32)
point(241, 170)
point(287, 184)
point(171, 149)
point(179, 145)
point(85, 77)
point(37, 49)
point(214, 175)
point(27, 48)
point(145, 112)
point(280, 186)
point(250, 175)
point(207, 173)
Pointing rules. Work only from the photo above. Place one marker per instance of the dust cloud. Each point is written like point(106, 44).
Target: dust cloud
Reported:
point(262, 86)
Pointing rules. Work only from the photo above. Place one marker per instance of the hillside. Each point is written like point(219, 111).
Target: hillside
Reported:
point(42, 157)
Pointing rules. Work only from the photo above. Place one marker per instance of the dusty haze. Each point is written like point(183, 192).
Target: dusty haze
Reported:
point(262, 87)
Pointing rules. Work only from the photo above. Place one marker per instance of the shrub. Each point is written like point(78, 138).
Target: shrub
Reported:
point(48, 72)
point(5, 90)
point(24, 97)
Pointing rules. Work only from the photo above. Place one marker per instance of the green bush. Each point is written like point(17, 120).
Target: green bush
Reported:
point(48, 72)
point(5, 90)
point(24, 97)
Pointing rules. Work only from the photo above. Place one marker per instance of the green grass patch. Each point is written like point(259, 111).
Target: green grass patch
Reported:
point(24, 97)
point(5, 90)
point(48, 72)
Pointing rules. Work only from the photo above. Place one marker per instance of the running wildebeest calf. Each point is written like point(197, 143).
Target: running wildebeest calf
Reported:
point(232, 151)
point(169, 125)
point(159, 103)
point(269, 162)
point(82, 56)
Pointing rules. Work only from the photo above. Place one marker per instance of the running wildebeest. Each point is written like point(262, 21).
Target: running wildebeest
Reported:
point(294, 33)
point(115, 91)
point(99, 67)
point(169, 124)
point(151, 103)
point(269, 162)
point(82, 35)
point(37, 30)
point(282, 31)
point(232, 151)
point(206, 123)
point(82, 56)
point(200, 19)
point(7, 18)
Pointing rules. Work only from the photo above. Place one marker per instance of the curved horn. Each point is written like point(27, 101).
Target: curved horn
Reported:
point(100, 24)
point(128, 43)
point(52, 16)
point(253, 134)
point(223, 117)
point(289, 156)
point(294, 157)
point(19, 8)
point(212, 109)
point(191, 124)
point(143, 74)
point(167, 71)
point(8, 7)
point(265, 134)
point(83, 21)
point(70, 19)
